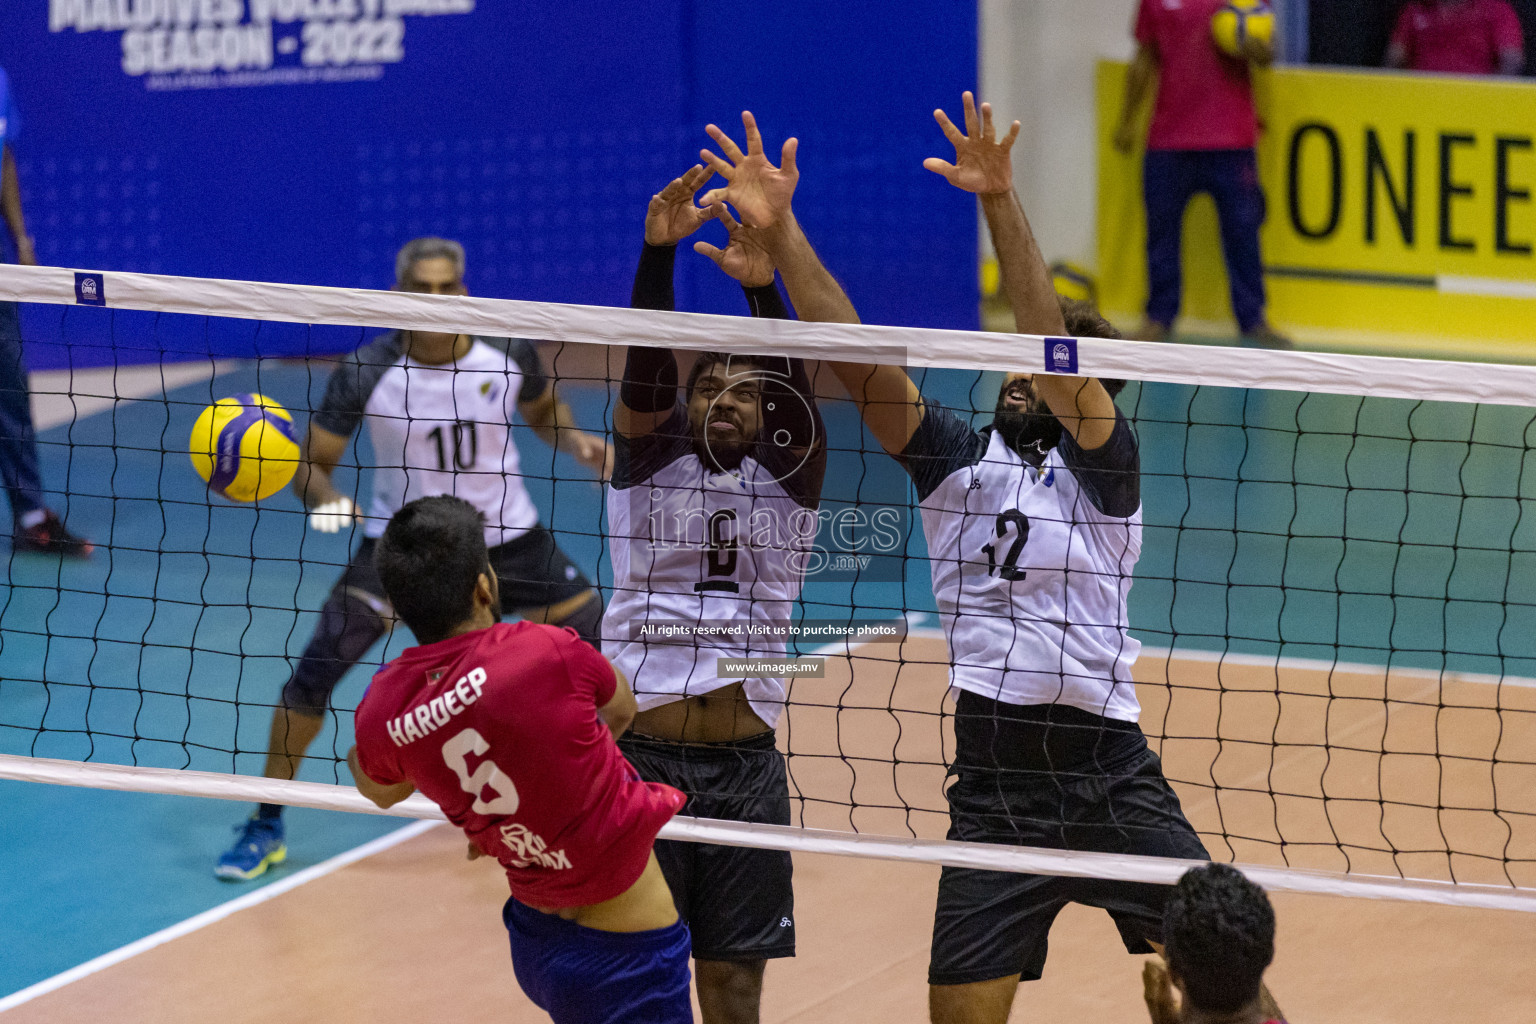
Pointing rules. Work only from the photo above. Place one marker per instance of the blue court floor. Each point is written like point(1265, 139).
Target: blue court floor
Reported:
point(1369, 530)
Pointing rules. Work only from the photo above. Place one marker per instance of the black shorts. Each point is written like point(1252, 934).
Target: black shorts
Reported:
point(531, 571)
point(739, 901)
point(991, 924)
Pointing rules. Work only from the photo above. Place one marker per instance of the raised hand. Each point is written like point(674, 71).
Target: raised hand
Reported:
point(672, 215)
point(1157, 991)
point(744, 256)
point(759, 191)
point(982, 162)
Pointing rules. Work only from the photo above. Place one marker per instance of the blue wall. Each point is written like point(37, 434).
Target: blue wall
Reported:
point(534, 133)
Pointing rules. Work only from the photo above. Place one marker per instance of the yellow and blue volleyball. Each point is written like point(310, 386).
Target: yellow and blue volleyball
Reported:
point(1074, 281)
point(1238, 21)
point(244, 447)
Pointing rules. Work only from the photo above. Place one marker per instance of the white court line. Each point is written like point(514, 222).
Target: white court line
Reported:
point(63, 396)
point(218, 913)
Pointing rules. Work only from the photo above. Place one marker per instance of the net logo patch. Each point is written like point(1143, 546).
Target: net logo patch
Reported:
point(1061, 355)
point(91, 289)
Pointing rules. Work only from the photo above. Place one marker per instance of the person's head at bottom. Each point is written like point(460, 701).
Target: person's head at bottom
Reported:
point(435, 568)
point(1219, 938)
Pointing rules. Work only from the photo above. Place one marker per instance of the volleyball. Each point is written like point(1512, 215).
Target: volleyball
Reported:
point(1075, 282)
point(244, 448)
point(1239, 21)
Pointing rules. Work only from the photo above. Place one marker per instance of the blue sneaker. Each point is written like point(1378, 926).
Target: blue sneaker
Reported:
point(259, 847)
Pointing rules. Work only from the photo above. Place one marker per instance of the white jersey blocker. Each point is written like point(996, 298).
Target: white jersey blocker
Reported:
point(692, 546)
point(440, 429)
point(1032, 578)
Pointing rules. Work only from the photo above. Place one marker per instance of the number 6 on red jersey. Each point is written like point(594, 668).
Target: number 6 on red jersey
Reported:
point(456, 753)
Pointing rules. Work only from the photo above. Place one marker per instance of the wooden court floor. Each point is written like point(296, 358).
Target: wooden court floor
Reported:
point(1338, 763)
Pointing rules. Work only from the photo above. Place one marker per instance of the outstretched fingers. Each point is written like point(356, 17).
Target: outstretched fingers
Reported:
point(987, 131)
point(697, 177)
point(723, 215)
point(717, 165)
point(680, 186)
point(787, 156)
point(1013, 133)
point(943, 167)
point(971, 122)
point(726, 144)
point(713, 252)
point(948, 128)
point(754, 137)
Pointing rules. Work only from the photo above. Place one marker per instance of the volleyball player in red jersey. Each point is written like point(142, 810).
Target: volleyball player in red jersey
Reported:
point(509, 728)
point(1219, 937)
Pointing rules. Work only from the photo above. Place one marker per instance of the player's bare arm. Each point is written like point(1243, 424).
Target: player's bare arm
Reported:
point(330, 510)
point(378, 792)
point(10, 207)
point(553, 422)
point(1140, 82)
point(983, 165)
point(619, 712)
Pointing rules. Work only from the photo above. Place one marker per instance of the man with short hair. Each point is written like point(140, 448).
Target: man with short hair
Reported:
point(711, 511)
point(36, 527)
point(439, 407)
point(1201, 140)
point(509, 728)
point(1458, 37)
point(1218, 939)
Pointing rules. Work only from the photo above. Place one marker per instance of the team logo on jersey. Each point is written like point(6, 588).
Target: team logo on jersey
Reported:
point(1061, 355)
point(90, 289)
point(489, 391)
point(434, 675)
point(529, 849)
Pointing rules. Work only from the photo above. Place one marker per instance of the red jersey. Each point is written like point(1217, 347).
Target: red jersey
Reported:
point(1459, 39)
point(500, 729)
point(1204, 97)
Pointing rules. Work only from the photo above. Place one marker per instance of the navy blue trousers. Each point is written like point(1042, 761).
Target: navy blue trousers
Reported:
point(18, 442)
point(1170, 179)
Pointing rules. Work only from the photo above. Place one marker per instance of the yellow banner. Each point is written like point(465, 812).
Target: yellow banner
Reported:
point(1400, 213)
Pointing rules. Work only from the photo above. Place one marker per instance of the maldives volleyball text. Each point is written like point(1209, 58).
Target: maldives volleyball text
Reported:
point(206, 37)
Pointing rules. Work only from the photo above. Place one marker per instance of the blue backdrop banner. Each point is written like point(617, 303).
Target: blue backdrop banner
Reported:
point(306, 140)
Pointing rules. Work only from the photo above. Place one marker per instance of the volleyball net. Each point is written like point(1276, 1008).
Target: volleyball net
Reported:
point(1336, 594)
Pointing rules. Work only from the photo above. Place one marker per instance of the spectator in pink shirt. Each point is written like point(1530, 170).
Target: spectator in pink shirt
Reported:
point(1201, 140)
point(1458, 37)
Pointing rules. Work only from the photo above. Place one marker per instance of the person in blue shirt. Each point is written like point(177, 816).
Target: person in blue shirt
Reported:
point(37, 527)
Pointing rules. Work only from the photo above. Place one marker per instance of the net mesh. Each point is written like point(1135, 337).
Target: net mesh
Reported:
point(1336, 592)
